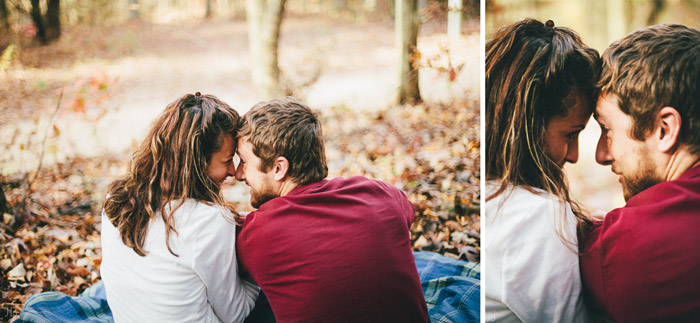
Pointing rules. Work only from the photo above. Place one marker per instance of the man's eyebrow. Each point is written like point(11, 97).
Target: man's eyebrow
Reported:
point(596, 116)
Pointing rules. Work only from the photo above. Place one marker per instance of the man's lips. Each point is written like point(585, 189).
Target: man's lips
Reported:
point(619, 174)
point(619, 177)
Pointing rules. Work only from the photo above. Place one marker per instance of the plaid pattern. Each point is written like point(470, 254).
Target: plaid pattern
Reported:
point(90, 306)
point(451, 287)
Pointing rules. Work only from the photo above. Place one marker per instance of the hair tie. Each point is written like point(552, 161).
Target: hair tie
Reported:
point(197, 95)
point(549, 24)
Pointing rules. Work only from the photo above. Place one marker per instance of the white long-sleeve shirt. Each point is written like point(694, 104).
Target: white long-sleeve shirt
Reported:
point(201, 285)
point(531, 275)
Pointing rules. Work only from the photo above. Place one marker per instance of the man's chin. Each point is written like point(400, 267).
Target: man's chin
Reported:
point(636, 186)
point(256, 202)
point(627, 194)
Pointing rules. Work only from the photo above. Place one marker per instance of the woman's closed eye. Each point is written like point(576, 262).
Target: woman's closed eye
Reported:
point(573, 135)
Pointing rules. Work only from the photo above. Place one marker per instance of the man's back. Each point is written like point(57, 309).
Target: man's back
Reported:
point(641, 264)
point(335, 251)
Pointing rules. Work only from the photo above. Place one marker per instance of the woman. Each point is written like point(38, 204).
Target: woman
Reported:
point(540, 93)
point(168, 243)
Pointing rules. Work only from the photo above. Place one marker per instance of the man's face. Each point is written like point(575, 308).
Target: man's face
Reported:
point(630, 159)
point(261, 183)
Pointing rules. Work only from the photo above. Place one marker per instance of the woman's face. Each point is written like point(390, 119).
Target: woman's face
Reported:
point(561, 135)
point(221, 162)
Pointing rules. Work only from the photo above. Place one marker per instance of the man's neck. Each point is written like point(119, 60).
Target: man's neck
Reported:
point(287, 186)
point(681, 161)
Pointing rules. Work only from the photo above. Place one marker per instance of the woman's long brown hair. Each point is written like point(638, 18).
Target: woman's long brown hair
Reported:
point(170, 165)
point(534, 72)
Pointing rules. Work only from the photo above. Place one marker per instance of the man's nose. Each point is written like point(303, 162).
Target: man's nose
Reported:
point(602, 151)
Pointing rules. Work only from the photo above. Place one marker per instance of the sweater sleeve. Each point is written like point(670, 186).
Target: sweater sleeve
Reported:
point(402, 201)
point(215, 262)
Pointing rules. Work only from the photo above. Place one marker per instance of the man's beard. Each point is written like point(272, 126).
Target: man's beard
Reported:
point(645, 176)
point(258, 198)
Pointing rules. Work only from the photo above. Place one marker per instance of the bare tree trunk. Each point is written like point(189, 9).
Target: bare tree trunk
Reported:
point(454, 19)
point(207, 12)
point(617, 19)
point(38, 22)
point(339, 5)
point(134, 10)
point(406, 41)
point(4, 207)
point(658, 6)
point(264, 19)
point(47, 28)
point(369, 5)
point(235, 9)
point(4, 16)
point(53, 20)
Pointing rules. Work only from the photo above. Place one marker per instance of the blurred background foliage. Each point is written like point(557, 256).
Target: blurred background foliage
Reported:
point(598, 23)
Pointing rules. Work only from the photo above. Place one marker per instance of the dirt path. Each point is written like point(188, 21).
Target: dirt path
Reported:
point(148, 66)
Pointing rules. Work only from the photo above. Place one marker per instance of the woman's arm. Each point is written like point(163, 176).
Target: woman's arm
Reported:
point(215, 262)
point(541, 274)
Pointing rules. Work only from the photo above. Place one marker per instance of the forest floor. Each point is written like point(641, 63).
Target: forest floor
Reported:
point(71, 113)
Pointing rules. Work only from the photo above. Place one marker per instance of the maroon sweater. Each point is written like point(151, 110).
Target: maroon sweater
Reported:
point(335, 251)
point(642, 263)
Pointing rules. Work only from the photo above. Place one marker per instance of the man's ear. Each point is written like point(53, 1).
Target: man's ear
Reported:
point(280, 168)
point(668, 129)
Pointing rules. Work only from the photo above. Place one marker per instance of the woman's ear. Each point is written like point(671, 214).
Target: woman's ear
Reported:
point(280, 169)
point(668, 129)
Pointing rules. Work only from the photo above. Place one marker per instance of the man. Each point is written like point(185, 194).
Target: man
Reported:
point(321, 250)
point(642, 262)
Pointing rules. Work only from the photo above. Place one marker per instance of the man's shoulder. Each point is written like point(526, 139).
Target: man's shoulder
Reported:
point(356, 180)
point(325, 196)
point(657, 227)
point(662, 211)
point(339, 187)
point(367, 183)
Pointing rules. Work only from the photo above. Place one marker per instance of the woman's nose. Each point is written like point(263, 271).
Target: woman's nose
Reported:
point(572, 152)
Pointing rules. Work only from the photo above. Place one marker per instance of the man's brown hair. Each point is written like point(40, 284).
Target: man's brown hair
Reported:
point(287, 128)
point(652, 68)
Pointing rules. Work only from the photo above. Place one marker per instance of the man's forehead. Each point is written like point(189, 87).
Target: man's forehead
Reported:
point(605, 102)
point(241, 143)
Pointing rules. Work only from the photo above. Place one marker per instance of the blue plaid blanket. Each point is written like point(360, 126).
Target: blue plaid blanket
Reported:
point(451, 289)
point(50, 307)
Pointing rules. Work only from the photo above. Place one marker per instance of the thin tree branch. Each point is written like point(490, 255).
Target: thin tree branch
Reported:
point(23, 210)
point(46, 134)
